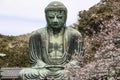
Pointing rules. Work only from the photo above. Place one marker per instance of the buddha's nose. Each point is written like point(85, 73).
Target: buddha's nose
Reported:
point(55, 20)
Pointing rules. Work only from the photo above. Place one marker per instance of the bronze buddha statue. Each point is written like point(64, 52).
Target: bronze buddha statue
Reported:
point(51, 48)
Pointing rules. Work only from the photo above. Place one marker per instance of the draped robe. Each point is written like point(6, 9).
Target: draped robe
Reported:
point(38, 50)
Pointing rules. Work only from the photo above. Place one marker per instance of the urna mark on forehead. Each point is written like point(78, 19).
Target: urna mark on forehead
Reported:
point(58, 12)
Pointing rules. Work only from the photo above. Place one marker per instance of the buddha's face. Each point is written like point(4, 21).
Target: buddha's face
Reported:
point(56, 18)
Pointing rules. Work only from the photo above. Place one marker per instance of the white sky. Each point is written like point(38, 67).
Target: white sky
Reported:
point(24, 16)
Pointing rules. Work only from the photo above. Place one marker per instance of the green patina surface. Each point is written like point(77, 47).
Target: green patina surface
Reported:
point(51, 48)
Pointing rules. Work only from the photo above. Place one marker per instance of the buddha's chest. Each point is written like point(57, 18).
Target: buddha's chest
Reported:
point(56, 48)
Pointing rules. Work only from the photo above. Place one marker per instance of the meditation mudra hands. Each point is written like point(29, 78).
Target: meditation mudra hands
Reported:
point(41, 65)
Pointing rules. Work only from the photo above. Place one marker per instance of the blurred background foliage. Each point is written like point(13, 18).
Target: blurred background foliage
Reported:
point(91, 23)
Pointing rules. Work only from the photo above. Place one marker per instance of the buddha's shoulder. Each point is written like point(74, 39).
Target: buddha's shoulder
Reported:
point(39, 31)
point(72, 31)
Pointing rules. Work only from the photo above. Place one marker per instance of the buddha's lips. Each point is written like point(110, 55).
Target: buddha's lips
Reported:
point(56, 24)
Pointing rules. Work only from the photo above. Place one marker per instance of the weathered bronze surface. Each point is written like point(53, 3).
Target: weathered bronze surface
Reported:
point(51, 48)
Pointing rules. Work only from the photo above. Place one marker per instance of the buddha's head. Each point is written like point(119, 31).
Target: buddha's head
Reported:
point(56, 14)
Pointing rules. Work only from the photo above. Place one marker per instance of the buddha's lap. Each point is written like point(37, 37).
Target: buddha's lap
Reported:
point(38, 72)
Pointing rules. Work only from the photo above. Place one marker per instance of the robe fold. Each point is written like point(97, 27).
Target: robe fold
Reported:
point(38, 46)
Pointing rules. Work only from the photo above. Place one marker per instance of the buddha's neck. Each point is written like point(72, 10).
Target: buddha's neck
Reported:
point(55, 31)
